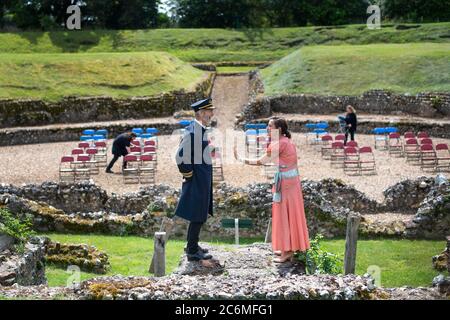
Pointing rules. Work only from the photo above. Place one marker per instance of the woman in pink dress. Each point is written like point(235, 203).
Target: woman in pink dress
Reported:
point(289, 228)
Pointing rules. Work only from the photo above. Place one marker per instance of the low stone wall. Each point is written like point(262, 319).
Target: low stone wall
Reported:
point(431, 105)
point(27, 269)
point(88, 209)
point(87, 258)
point(30, 135)
point(438, 130)
point(407, 196)
point(78, 110)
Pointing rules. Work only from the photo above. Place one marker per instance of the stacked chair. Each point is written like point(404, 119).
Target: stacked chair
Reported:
point(86, 159)
point(142, 162)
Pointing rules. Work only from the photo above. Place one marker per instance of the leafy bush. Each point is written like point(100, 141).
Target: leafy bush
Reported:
point(16, 228)
point(318, 261)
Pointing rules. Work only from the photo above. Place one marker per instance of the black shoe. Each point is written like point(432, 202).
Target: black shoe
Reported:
point(109, 171)
point(202, 250)
point(198, 256)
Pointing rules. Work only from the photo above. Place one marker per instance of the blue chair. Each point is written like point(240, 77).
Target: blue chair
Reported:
point(99, 137)
point(146, 136)
point(86, 138)
point(251, 132)
point(322, 125)
point(152, 131)
point(138, 131)
point(88, 132)
point(263, 131)
point(390, 130)
point(102, 132)
point(380, 138)
point(184, 123)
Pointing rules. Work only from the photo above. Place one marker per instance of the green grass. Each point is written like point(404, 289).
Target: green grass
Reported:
point(53, 76)
point(403, 68)
point(402, 262)
point(236, 69)
point(216, 44)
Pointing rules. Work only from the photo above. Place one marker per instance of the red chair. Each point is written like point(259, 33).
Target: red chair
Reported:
point(136, 143)
point(412, 151)
point(136, 151)
point(409, 135)
point(84, 145)
point(367, 160)
point(150, 143)
point(326, 146)
point(102, 155)
point(352, 160)
point(340, 137)
point(147, 170)
point(442, 157)
point(76, 152)
point(94, 164)
point(216, 158)
point(352, 144)
point(82, 167)
point(428, 158)
point(337, 154)
point(395, 144)
point(131, 169)
point(426, 141)
point(66, 171)
point(423, 135)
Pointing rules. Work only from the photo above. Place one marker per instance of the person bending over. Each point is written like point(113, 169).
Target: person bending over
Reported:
point(120, 149)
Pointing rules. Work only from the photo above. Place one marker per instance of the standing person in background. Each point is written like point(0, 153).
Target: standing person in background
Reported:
point(352, 124)
point(120, 149)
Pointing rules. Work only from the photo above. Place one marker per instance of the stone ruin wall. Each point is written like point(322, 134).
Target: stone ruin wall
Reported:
point(15, 113)
point(431, 105)
point(86, 208)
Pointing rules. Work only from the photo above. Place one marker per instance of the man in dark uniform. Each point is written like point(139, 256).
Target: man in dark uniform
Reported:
point(119, 149)
point(195, 164)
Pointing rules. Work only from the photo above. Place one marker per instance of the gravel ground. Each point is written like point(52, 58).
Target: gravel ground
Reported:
point(38, 163)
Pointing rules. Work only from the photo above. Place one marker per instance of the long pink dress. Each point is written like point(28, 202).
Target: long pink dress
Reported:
point(289, 228)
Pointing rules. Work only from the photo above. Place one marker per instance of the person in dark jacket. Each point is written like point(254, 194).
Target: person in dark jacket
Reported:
point(352, 124)
point(195, 164)
point(119, 149)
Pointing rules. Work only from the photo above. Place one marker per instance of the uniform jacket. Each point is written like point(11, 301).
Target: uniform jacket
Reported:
point(195, 164)
point(120, 144)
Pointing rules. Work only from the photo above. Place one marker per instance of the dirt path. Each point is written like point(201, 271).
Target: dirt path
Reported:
point(229, 95)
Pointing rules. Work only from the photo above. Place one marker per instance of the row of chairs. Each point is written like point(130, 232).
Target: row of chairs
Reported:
point(256, 142)
point(315, 132)
point(349, 157)
point(140, 169)
point(429, 157)
point(381, 137)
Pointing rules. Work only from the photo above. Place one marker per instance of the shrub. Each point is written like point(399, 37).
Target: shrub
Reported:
point(318, 261)
point(16, 228)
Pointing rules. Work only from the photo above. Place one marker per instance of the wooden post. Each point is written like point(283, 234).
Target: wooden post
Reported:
point(269, 232)
point(351, 244)
point(236, 231)
point(160, 254)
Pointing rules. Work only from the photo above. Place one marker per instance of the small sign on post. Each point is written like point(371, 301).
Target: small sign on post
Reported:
point(351, 244)
point(159, 255)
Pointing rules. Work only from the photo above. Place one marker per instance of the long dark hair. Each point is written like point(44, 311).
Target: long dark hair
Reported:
point(281, 124)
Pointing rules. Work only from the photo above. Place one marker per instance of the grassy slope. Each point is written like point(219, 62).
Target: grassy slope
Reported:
point(215, 44)
point(407, 68)
point(52, 76)
point(402, 262)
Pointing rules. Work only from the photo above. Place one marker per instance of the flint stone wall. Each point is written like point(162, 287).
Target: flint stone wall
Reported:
point(27, 269)
point(430, 105)
point(327, 205)
point(30, 135)
point(441, 130)
point(15, 113)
